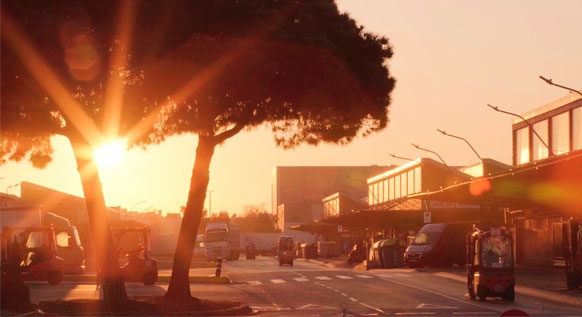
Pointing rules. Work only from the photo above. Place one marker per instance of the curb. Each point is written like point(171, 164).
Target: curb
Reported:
point(529, 291)
point(164, 278)
point(525, 290)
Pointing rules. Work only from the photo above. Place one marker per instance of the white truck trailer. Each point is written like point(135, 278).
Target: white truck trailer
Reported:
point(222, 240)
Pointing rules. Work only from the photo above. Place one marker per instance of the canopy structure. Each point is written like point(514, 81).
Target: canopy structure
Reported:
point(322, 228)
point(554, 183)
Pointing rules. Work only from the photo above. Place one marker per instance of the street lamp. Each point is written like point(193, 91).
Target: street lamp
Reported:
point(131, 209)
point(138, 203)
point(11, 186)
point(549, 81)
point(435, 153)
point(528, 124)
point(458, 137)
point(402, 158)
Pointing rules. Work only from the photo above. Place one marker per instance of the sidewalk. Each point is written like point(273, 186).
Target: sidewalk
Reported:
point(547, 283)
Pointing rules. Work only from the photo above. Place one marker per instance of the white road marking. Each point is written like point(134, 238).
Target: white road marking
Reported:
point(435, 306)
point(301, 279)
point(254, 283)
point(344, 277)
point(372, 307)
point(364, 276)
point(278, 281)
point(323, 278)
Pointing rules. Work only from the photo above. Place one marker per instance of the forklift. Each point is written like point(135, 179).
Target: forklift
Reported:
point(32, 251)
point(134, 255)
point(490, 264)
point(572, 245)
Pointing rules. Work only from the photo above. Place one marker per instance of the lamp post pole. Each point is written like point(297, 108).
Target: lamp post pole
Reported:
point(131, 209)
point(138, 203)
point(528, 124)
point(435, 153)
point(549, 82)
point(209, 203)
point(402, 158)
point(11, 186)
point(458, 137)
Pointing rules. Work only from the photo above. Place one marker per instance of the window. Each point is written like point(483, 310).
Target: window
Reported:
point(411, 182)
point(577, 129)
point(62, 239)
point(381, 198)
point(560, 134)
point(397, 186)
point(539, 150)
point(417, 180)
point(404, 184)
point(522, 146)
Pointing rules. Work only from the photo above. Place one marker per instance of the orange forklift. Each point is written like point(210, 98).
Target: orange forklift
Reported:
point(490, 264)
point(133, 247)
point(33, 251)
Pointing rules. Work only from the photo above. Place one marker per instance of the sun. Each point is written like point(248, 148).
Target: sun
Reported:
point(110, 154)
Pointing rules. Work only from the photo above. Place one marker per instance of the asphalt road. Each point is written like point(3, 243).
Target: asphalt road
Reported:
point(309, 288)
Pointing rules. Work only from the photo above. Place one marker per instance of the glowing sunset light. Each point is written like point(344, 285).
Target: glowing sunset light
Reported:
point(110, 154)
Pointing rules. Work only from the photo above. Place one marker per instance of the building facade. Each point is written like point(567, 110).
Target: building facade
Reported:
point(298, 190)
point(547, 144)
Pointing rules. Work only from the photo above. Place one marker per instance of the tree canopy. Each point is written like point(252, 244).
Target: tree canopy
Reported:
point(149, 70)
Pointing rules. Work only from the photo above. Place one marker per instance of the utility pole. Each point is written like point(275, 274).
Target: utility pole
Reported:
point(209, 203)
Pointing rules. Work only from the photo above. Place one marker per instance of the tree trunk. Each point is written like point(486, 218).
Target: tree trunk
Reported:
point(179, 281)
point(113, 287)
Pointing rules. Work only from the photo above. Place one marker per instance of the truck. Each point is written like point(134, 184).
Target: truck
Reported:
point(222, 241)
point(438, 245)
point(134, 254)
point(68, 243)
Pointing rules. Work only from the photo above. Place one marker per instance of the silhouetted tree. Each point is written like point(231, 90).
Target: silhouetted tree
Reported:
point(208, 67)
point(298, 66)
point(60, 77)
point(257, 219)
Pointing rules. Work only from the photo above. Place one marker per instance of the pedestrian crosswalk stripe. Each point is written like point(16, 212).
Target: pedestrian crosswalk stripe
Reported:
point(364, 276)
point(301, 279)
point(323, 278)
point(344, 277)
point(278, 281)
point(254, 282)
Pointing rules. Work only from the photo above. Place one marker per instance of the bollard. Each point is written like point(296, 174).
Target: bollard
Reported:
point(218, 267)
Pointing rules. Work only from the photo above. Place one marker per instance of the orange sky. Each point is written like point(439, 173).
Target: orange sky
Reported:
point(451, 59)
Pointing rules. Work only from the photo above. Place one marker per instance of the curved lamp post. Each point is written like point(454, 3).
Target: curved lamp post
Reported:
point(402, 158)
point(528, 124)
point(549, 82)
point(138, 203)
point(435, 153)
point(11, 186)
point(458, 137)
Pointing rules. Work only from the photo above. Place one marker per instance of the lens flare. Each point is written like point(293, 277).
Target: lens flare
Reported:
point(110, 154)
